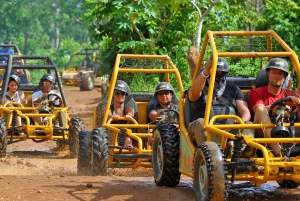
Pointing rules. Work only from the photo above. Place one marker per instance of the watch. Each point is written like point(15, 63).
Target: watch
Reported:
point(202, 73)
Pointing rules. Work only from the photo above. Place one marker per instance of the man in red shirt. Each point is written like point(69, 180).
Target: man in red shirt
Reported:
point(262, 98)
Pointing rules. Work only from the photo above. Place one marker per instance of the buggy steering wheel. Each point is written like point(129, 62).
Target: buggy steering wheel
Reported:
point(52, 98)
point(173, 118)
point(278, 103)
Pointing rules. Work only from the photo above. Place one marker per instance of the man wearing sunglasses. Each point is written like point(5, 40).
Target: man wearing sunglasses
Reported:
point(46, 92)
point(227, 99)
point(164, 93)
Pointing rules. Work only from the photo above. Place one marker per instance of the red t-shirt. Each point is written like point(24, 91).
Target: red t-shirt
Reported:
point(261, 95)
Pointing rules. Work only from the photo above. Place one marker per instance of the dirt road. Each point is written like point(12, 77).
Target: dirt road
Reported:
point(35, 171)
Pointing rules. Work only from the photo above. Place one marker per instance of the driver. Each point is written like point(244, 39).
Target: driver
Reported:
point(39, 96)
point(262, 98)
point(227, 99)
point(164, 93)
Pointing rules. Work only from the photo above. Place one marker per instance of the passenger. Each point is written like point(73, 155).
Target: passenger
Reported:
point(22, 73)
point(227, 99)
point(262, 98)
point(46, 82)
point(119, 109)
point(164, 93)
point(15, 95)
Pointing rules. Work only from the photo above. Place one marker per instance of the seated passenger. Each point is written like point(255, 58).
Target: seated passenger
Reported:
point(47, 82)
point(119, 109)
point(14, 95)
point(227, 99)
point(164, 93)
point(262, 98)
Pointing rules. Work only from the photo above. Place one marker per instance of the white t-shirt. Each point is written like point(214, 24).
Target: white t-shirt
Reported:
point(16, 99)
point(38, 94)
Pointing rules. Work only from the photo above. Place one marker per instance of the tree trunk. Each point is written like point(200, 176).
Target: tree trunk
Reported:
point(192, 58)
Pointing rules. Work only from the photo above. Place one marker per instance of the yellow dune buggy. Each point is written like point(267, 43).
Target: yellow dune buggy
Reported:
point(217, 165)
point(103, 147)
point(55, 122)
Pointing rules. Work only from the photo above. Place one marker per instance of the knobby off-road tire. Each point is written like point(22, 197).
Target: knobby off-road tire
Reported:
point(84, 161)
point(76, 125)
point(3, 138)
point(100, 112)
point(87, 82)
point(287, 184)
point(100, 151)
point(165, 155)
point(104, 89)
point(210, 179)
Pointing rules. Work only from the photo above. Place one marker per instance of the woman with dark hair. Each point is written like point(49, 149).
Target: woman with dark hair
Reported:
point(14, 95)
point(119, 109)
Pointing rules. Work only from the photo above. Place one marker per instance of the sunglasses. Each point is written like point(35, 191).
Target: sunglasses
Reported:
point(163, 93)
point(47, 83)
point(119, 93)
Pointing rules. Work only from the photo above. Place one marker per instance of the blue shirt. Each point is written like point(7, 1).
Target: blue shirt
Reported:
point(8, 51)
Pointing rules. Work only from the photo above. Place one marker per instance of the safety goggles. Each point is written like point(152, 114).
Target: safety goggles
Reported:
point(47, 83)
point(117, 93)
point(163, 93)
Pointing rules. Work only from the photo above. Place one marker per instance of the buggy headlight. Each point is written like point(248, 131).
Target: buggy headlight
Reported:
point(280, 132)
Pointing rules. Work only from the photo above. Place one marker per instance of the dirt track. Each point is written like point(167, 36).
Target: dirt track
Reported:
point(35, 171)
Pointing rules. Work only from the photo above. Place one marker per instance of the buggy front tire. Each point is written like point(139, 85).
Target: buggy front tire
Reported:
point(165, 155)
point(210, 179)
point(3, 138)
point(100, 151)
point(76, 125)
point(84, 161)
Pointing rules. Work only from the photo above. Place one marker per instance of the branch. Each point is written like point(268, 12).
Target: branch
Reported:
point(138, 32)
point(163, 27)
point(212, 4)
point(77, 20)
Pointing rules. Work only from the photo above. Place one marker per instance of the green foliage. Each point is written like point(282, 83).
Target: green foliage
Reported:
point(60, 28)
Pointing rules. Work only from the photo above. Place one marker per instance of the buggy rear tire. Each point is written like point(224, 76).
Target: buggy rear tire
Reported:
point(100, 151)
point(84, 161)
point(210, 179)
point(104, 89)
point(87, 82)
point(100, 112)
point(3, 138)
point(76, 125)
point(287, 184)
point(165, 155)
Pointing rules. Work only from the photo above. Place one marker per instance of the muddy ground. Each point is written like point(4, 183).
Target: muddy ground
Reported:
point(36, 171)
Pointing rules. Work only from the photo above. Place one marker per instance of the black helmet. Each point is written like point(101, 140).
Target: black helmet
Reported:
point(48, 77)
point(222, 65)
point(164, 86)
point(122, 86)
point(278, 63)
point(16, 79)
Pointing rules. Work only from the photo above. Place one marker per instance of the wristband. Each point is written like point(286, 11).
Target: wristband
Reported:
point(202, 73)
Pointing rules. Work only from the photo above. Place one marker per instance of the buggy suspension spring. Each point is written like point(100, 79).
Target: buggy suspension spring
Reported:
point(14, 117)
point(60, 119)
point(237, 153)
point(121, 137)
